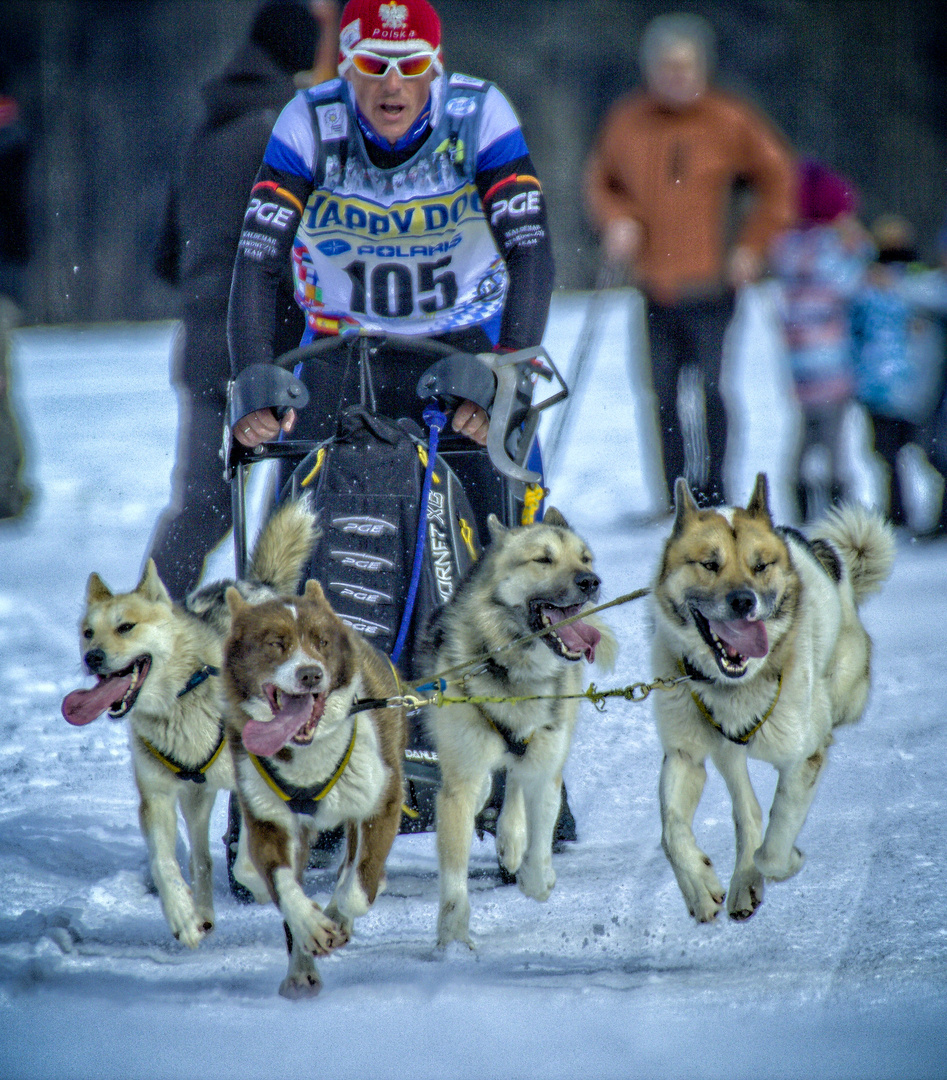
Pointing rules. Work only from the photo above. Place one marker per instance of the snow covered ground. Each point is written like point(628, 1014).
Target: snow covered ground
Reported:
point(842, 972)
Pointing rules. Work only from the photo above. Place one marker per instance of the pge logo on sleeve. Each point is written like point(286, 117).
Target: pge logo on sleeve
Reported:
point(521, 205)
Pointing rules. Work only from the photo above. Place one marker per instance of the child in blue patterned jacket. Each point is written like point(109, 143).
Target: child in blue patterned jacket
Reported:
point(819, 266)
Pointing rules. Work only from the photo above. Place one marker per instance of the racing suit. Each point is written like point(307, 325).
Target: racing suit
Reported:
point(442, 235)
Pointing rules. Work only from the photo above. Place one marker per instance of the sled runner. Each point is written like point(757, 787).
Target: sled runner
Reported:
point(402, 510)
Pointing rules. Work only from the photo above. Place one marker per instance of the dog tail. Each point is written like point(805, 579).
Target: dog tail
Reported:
point(606, 651)
point(865, 541)
point(281, 553)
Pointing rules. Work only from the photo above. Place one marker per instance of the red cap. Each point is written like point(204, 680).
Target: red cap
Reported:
point(397, 26)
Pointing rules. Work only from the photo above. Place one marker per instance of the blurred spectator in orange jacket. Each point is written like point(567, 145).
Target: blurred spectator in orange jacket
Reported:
point(659, 185)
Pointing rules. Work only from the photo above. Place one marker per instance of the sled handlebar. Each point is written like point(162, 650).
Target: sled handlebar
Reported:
point(501, 384)
point(363, 341)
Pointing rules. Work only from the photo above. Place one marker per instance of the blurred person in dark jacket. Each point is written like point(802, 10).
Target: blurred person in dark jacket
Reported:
point(196, 252)
point(659, 187)
point(14, 256)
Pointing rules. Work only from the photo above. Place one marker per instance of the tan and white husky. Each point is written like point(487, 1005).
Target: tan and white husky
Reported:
point(158, 664)
point(529, 578)
point(764, 622)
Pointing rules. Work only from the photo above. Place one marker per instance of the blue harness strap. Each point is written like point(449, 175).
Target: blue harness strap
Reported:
point(435, 420)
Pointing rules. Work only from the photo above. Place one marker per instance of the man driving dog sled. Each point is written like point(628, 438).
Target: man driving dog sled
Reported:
point(407, 201)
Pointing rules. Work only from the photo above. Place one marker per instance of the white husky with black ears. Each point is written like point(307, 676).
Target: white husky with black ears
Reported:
point(764, 623)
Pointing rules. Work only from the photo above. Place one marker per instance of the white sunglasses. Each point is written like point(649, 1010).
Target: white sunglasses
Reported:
point(376, 66)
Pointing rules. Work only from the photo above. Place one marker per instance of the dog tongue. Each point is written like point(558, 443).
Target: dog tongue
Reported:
point(267, 737)
point(578, 637)
point(83, 706)
point(744, 636)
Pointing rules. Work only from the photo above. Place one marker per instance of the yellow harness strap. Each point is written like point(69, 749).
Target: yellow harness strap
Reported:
point(182, 771)
point(744, 737)
point(394, 671)
point(302, 796)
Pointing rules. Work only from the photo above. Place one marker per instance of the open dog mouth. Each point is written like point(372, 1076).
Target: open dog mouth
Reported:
point(115, 693)
point(571, 642)
point(295, 718)
point(732, 642)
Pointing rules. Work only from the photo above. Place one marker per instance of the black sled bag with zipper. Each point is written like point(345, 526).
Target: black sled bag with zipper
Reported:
point(366, 483)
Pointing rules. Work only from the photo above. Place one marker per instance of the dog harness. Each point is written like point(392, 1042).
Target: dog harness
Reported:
point(199, 676)
point(514, 746)
point(303, 800)
point(367, 704)
point(744, 737)
point(196, 775)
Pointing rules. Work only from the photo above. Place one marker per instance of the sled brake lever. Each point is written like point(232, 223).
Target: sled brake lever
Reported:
point(261, 386)
point(505, 367)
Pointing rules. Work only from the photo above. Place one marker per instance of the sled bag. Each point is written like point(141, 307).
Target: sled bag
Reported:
point(365, 485)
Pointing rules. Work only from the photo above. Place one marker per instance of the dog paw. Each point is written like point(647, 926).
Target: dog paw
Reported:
point(319, 934)
point(536, 882)
point(205, 914)
point(744, 895)
point(510, 848)
point(703, 893)
point(344, 922)
point(302, 981)
point(191, 932)
point(453, 923)
point(188, 925)
point(779, 868)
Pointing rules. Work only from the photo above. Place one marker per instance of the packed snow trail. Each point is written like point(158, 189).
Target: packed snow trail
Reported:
point(841, 973)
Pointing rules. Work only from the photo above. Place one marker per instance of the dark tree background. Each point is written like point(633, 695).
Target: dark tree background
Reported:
point(110, 90)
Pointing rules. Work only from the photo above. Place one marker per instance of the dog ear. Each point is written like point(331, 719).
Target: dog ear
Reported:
point(314, 593)
point(553, 517)
point(151, 586)
point(758, 506)
point(235, 602)
point(496, 527)
point(96, 590)
point(684, 504)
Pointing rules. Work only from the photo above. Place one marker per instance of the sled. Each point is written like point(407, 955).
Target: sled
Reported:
point(377, 478)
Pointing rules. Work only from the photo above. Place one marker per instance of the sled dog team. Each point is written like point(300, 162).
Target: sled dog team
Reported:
point(253, 688)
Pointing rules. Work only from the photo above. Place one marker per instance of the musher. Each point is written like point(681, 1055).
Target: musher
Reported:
point(407, 200)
